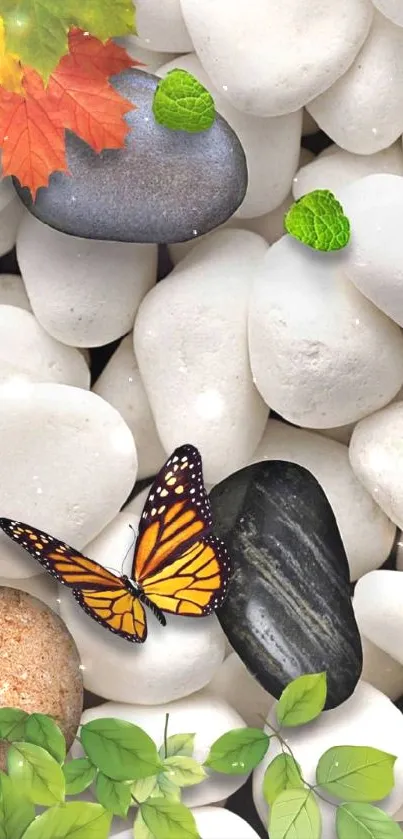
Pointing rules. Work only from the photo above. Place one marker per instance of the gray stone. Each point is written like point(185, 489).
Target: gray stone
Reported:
point(164, 186)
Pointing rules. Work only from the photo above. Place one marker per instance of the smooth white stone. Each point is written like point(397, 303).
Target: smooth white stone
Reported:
point(342, 433)
point(150, 59)
point(215, 823)
point(380, 670)
point(309, 126)
point(161, 27)
point(271, 146)
point(11, 213)
point(190, 340)
point(363, 111)
point(321, 354)
point(207, 716)
point(12, 292)
point(41, 586)
point(83, 292)
point(68, 460)
point(376, 456)
point(28, 348)
point(378, 607)
point(341, 168)
point(367, 718)
point(274, 56)
point(392, 9)
point(366, 532)
point(120, 384)
point(233, 683)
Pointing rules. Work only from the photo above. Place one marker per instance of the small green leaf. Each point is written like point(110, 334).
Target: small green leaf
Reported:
point(140, 829)
point(143, 788)
point(79, 775)
point(115, 796)
point(302, 700)
point(317, 220)
point(36, 32)
point(282, 773)
point(75, 820)
point(119, 749)
point(363, 821)
point(183, 771)
point(239, 751)
point(181, 103)
point(43, 731)
point(164, 788)
point(12, 724)
point(295, 815)
point(106, 19)
point(356, 773)
point(16, 812)
point(168, 819)
point(178, 744)
point(36, 773)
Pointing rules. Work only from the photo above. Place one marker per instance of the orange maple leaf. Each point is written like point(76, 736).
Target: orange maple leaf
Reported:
point(78, 96)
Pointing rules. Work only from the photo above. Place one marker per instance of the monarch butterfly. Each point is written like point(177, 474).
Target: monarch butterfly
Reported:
point(178, 565)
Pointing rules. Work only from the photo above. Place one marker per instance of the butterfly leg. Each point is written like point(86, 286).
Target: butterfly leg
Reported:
point(156, 611)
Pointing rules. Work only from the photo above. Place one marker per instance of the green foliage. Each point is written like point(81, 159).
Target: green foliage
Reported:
point(42, 730)
point(115, 796)
point(181, 103)
point(119, 749)
point(36, 773)
point(75, 820)
point(168, 820)
point(356, 773)
point(317, 220)
point(178, 744)
point(79, 775)
point(183, 771)
point(16, 811)
point(295, 813)
point(239, 751)
point(363, 821)
point(12, 724)
point(281, 774)
point(302, 700)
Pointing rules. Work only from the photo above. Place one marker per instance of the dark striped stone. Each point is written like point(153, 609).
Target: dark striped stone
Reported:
point(288, 611)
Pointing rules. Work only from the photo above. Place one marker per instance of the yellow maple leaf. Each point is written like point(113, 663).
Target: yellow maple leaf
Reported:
point(11, 72)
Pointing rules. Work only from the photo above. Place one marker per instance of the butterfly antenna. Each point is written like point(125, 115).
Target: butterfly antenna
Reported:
point(129, 549)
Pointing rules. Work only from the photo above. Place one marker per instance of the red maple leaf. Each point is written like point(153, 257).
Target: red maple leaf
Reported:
point(78, 97)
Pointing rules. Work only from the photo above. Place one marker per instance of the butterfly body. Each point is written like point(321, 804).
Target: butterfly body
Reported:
point(178, 567)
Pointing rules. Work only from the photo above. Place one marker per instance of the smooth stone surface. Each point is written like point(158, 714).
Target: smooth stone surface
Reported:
point(380, 669)
point(378, 605)
point(68, 460)
point(274, 56)
point(29, 349)
point(392, 9)
point(205, 715)
point(367, 534)
point(83, 293)
point(11, 214)
point(363, 111)
point(376, 456)
point(131, 194)
point(39, 663)
point(175, 661)
point(234, 683)
point(368, 718)
point(190, 340)
point(121, 385)
point(321, 354)
point(288, 610)
point(211, 822)
point(151, 60)
point(271, 146)
point(13, 293)
point(341, 168)
point(160, 26)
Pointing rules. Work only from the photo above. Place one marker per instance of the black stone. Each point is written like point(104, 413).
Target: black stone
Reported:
point(164, 186)
point(288, 610)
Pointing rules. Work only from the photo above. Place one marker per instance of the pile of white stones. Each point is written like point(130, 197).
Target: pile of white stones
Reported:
point(248, 321)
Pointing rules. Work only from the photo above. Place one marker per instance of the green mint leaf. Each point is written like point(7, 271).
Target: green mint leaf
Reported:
point(178, 744)
point(36, 32)
point(115, 796)
point(281, 774)
point(363, 821)
point(79, 775)
point(165, 788)
point(16, 812)
point(295, 815)
point(119, 749)
point(75, 820)
point(302, 700)
point(183, 771)
point(36, 773)
point(356, 773)
point(317, 220)
point(43, 731)
point(181, 103)
point(143, 788)
point(12, 724)
point(239, 751)
point(168, 819)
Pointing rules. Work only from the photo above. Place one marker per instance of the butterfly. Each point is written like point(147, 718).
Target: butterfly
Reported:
point(178, 566)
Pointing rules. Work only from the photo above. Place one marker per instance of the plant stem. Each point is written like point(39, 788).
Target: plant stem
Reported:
point(284, 745)
point(166, 736)
point(137, 803)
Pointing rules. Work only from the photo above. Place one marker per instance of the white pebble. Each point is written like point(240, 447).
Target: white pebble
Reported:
point(321, 354)
point(26, 347)
point(160, 26)
point(378, 607)
point(367, 718)
point(380, 670)
point(274, 56)
point(392, 9)
point(366, 532)
point(341, 168)
point(271, 146)
point(11, 213)
point(215, 823)
point(206, 716)
point(191, 346)
point(237, 686)
point(12, 292)
point(84, 292)
point(150, 59)
point(121, 385)
point(68, 460)
point(376, 455)
point(363, 111)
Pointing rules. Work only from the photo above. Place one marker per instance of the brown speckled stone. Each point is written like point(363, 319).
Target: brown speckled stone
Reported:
point(39, 662)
